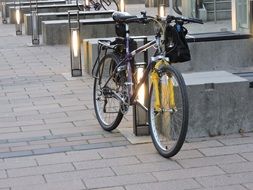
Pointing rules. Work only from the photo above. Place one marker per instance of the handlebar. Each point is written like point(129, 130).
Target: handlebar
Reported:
point(127, 18)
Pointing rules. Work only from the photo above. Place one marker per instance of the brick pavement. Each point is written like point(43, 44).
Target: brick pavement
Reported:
point(50, 139)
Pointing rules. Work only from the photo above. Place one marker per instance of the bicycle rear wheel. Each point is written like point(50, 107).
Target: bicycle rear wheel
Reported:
point(168, 110)
point(107, 106)
point(109, 5)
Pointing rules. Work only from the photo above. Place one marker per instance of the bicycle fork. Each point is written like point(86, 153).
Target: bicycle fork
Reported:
point(167, 90)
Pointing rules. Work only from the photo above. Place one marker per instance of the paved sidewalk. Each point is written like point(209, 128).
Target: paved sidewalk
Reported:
point(50, 139)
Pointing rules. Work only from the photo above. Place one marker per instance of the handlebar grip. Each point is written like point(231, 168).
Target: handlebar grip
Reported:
point(184, 19)
point(195, 20)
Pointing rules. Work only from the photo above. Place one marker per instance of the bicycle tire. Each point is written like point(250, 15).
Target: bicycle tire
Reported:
point(113, 5)
point(169, 122)
point(109, 117)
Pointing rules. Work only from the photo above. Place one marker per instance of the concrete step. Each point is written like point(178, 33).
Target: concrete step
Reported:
point(248, 76)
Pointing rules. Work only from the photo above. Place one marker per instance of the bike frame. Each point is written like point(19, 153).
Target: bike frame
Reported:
point(132, 93)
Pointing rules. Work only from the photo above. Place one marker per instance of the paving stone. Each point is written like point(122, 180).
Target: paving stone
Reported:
point(64, 185)
point(230, 187)
point(201, 144)
point(237, 141)
point(68, 130)
point(248, 156)
point(120, 143)
point(187, 154)
point(249, 186)
point(21, 181)
point(29, 147)
point(227, 150)
point(127, 151)
point(39, 170)
point(17, 163)
point(28, 139)
point(91, 146)
point(237, 167)
point(225, 180)
point(80, 174)
point(112, 139)
point(51, 150)
point(188, 173)
point(46, 126)
point(4, 149)
point(119, 180)
point(47, 141)
point(171, 185)
point(42, 116)
point(106, 163)
point(25, 134)
point(15, 154)
point(67, 143)
point(21, 123)
point(68, 157)
point(208, 161)
point(9, 129)
point(84, 138)
point(145, 168)
point(2, 174)
point(112, 188)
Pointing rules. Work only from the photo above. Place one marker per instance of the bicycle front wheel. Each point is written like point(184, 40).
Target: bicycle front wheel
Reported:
point(168, 110)
point(107, 106)
point(109, 5)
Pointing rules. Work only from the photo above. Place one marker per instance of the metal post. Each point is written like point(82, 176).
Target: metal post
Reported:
point(251, 16)
point(75, 46)
point(140, 114)
point(35, 28)
point(215, 10)
point(4, 20)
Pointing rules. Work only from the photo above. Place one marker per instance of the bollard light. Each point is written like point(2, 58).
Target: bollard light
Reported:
point(141, 92)
point(18, 21)
point(161, 11)
point(35, 29)
point(4, 20)
point(75, 42)
point(122, 6)
point(87, 5)
point(75, 46)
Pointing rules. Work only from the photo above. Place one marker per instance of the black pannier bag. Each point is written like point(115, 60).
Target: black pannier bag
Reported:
point(176, 46)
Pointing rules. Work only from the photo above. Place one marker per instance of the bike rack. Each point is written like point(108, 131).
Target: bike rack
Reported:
point(4, 19)
point(140, 114)
point(75, 46)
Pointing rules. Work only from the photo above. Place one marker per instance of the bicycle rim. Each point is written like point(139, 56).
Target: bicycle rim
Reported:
point(107, 107)
point(168, 111)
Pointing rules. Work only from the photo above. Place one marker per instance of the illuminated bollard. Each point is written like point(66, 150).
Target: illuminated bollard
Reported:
point(75, 46)
point(122, 6)
point(161, 11)
point(18, 21)
point(4, 19)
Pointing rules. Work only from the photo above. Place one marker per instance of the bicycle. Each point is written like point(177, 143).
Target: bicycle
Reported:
point(116, 87)
point(97, 5)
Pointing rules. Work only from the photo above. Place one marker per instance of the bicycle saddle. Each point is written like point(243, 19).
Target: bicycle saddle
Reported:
point(122, 16)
